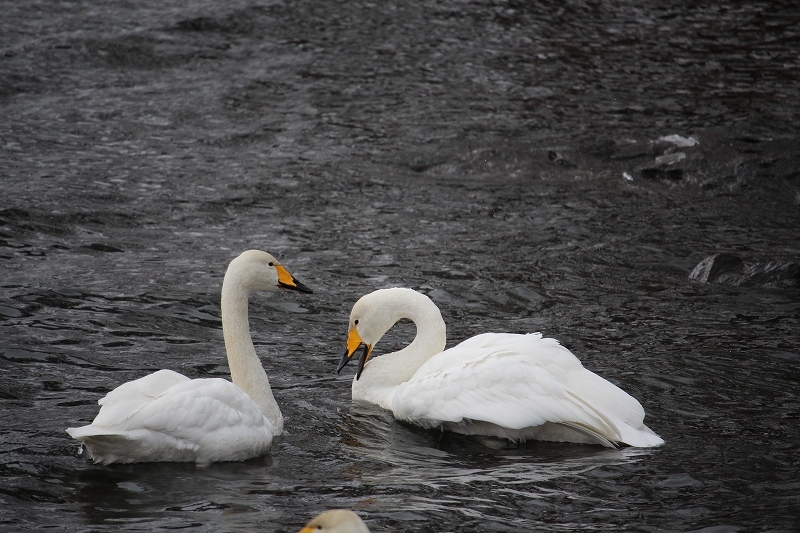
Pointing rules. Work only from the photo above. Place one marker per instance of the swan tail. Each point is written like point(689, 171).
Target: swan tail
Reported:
point(641, 437)
point(103, 446)
point(590, 433)
point(106, 446)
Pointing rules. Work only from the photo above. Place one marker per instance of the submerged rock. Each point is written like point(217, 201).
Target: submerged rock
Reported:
point(659, 173)
point(774, 273)
point(716, 266)
point(731, 270)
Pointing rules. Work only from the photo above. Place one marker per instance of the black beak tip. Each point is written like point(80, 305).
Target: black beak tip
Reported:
point(343, 362)
point(302, 288)
point(296, 287)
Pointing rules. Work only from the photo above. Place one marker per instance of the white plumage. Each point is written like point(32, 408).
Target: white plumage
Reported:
point(506, 385)
point(336, 521)
point(166, 416)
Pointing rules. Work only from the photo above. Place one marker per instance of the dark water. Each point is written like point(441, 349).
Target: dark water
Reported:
point(476, 151)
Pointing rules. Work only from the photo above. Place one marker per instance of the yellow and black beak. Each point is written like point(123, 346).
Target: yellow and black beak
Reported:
point(287, 281)
point(354, 342)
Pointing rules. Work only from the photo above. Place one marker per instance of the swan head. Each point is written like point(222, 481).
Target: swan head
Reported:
point(255, 270)
point(372, 316)
point(336, 521)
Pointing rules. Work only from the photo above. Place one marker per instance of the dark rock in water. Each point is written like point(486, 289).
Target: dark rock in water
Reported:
point(714, 267)
point(660, 173)
point(559, 158)
point(774, 273)
point(103, 247)
point(731, 270)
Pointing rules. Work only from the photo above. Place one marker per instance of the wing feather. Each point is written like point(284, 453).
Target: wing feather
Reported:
point(127, 399)
point(516, 382)
point(199, 405)
point(201, 420)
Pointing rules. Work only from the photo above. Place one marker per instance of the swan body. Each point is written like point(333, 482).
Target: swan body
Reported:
point(518, 387)
point(166, 416)
point(336, 521)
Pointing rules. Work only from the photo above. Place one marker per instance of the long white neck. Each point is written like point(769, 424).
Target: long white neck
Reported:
point(390, 370)
point(246, 370)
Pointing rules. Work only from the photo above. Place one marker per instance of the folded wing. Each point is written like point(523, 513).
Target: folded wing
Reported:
point(518, 382)
point(202, 420)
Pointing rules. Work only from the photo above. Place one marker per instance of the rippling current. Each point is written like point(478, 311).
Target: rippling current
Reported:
point(505, 158)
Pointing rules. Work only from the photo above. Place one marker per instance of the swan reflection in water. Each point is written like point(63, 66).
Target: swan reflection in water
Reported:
point(388, 452)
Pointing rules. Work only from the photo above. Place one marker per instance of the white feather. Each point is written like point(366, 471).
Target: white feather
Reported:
point(336, 521)
point(499, 384)
point(166, 416)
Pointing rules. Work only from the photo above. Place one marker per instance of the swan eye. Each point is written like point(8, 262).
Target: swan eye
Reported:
point(271, 264)
point(356, 322)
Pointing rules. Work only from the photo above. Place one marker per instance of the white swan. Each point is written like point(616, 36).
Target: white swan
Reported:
point(168, 417)
point(512, 386)
point(336, 521)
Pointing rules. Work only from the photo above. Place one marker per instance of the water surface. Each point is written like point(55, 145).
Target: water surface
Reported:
point(476, 151)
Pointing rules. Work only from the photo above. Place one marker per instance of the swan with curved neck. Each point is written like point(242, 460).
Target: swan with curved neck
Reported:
point(166, 416)
point(519, 387)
